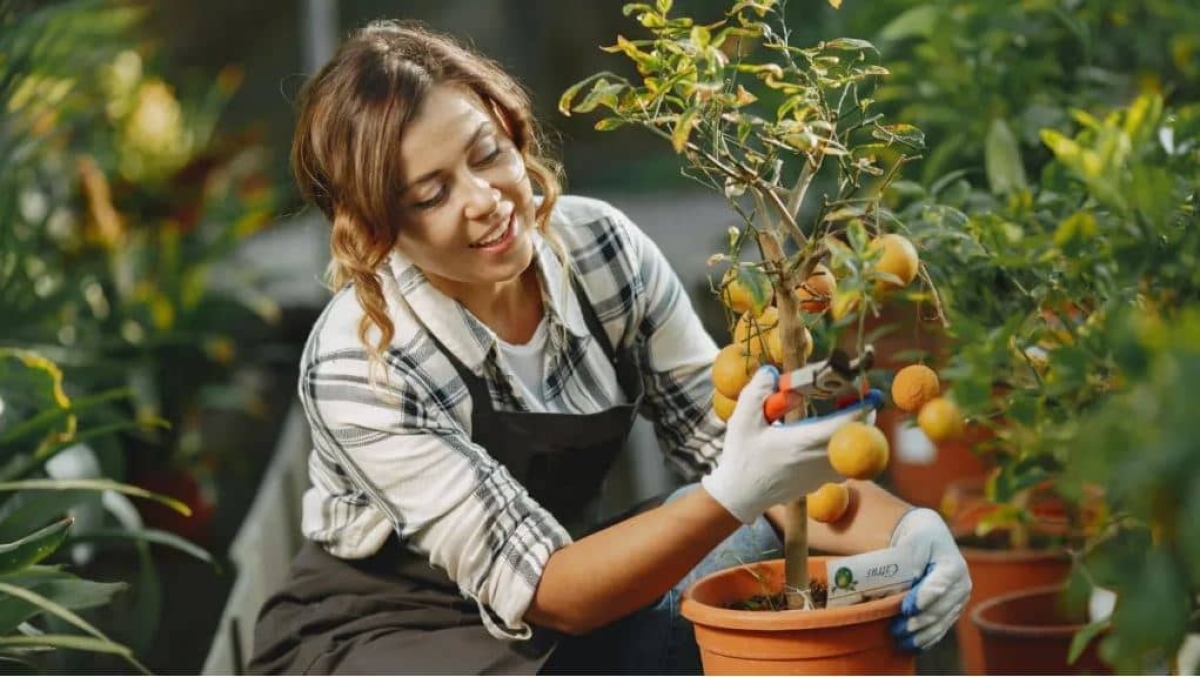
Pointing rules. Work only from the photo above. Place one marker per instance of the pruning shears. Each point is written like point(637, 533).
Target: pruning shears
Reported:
point(832, 378)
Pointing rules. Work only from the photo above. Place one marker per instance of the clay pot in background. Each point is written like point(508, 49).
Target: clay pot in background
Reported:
point(997, 572)
point(1029, 632)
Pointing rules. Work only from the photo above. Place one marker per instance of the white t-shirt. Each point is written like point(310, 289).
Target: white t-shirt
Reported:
point(526, 361)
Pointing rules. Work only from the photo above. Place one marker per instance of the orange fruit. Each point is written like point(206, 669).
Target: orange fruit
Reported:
point(940, 420)
point(858, 451)
point(828, 503)
point(913, 386)
point(899, 258)
point(722, 406)
point(817, 291)
point(735, 294)
point(843, 305)
point(775, 346)
point(732, 370)
point(751, 333)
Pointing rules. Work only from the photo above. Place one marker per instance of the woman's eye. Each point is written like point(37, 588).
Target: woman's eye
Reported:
point(490, 157)
point(433, 201)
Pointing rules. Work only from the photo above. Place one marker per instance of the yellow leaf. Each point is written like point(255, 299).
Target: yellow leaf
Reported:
point(837, 4)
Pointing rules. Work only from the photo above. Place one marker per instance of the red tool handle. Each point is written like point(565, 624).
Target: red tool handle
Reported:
point(776, 405)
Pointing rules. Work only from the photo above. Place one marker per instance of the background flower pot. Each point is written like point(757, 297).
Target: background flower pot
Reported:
point(997, 571)
point(844, 640)
point(1029, 633)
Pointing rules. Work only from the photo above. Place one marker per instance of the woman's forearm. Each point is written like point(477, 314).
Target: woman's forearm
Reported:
point(625, 567)
point(867, 524)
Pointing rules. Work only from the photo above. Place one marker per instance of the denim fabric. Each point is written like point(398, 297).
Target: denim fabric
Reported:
point(657, 640)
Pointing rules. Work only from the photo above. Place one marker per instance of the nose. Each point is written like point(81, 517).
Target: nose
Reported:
point(482, 200)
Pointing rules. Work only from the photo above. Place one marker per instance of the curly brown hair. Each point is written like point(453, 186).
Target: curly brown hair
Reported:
point(345, 151)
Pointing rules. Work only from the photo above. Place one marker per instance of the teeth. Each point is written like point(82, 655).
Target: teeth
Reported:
point(494, 240)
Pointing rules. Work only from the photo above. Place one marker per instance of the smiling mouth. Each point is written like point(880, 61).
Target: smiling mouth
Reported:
point(498, 236)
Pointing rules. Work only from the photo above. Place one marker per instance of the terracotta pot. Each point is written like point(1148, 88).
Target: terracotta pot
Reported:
point(1029, 632)
point(843, 640)
point(995, 573)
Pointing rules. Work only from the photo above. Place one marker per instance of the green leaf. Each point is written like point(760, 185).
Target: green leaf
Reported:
point(604, 93)
point(608, 124)
point(1079, 226)
point(148, 536)
point(30, 511)
point(1084, 637)
point(50, 607)
point(757, 284)
point(33, 548)
point(901, 133)
point(1153, 615)
point(50, 417)
point(917, 22)
point(1063, 147)
point(683, 129)
point(1002, 157)
point(1004, 516)
point(850, 45)
point(564, 102)
point(1151, 193)
point(77, 642)
point(63, 588)
point(95, 485)
point(30, 463)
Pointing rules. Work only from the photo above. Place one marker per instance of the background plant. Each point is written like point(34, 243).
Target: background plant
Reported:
point(117, 203)
point(975, 74)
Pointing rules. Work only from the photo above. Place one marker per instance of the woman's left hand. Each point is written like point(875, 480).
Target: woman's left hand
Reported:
point(940, 593)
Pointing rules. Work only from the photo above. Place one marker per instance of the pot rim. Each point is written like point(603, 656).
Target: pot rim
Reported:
point(1026, 631)
point(734, 619)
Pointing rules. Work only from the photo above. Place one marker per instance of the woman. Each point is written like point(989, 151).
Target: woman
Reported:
point(471, 382)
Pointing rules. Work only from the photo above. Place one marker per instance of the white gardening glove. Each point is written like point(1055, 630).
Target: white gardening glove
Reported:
point(941, 591)
point(764, 464)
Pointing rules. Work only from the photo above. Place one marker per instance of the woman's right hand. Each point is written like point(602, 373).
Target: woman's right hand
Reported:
point(764, 464)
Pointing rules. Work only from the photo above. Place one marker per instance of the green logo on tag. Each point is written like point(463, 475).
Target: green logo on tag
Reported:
point(843, 579)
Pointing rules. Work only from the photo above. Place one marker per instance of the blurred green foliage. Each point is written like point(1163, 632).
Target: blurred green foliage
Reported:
point(962, 65)
point(1064, 147)
point(118, 203)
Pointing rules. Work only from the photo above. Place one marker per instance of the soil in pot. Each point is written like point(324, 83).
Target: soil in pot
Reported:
point(778, 601)
point(842, 640)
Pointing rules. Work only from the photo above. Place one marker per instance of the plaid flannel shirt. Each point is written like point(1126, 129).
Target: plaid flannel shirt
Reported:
point(394, 455)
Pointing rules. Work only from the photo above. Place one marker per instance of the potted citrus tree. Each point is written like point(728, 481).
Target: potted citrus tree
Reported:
point(789, 135)
point(1102, 235)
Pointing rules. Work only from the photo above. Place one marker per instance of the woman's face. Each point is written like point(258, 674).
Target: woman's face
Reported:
point(467, 198)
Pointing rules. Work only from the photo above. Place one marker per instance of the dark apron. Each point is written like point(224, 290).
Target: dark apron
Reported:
point(395, 613)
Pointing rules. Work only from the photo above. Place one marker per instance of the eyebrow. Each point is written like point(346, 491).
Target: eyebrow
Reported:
point(483, 127)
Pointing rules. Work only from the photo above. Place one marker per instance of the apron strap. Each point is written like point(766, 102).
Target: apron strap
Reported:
point(591, 319)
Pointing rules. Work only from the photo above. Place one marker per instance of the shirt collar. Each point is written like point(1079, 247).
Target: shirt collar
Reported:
point(462, 333)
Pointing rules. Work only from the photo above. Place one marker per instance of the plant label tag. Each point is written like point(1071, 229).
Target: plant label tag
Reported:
point(868, 576)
